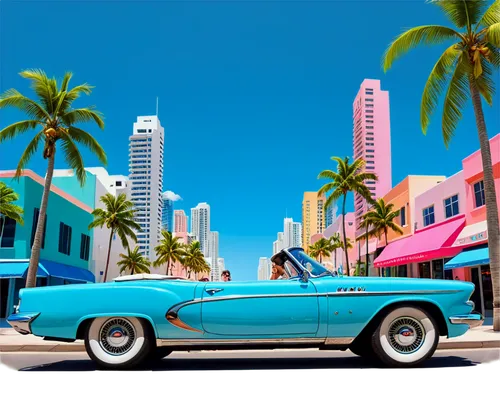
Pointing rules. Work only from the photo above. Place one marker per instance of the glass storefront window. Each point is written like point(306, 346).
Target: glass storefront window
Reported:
point(437, 269)
point(402, 271)
point(424, 270)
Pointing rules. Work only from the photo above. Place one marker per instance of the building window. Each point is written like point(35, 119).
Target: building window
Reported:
point(141, 131)
point(370, 162)
point(451, 206)
point(369, 144)
point(428, 215)
point(479, 194)
point(36, 215)
point(85, 247)
point(370, 151)
point(64, 239)
point(9, 232)
point(402, 216)
point(369, 133)
point(370, 138)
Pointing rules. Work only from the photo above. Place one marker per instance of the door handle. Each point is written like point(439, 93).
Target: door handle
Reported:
point(212, 291)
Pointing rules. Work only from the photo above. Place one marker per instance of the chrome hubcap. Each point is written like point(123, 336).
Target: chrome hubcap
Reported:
point(117, 336)
point(406, 335)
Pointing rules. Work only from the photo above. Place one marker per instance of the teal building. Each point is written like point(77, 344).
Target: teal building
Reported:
point(66, 254)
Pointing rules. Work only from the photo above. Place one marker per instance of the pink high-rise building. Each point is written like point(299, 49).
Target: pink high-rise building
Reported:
point(372, 141)
point(180, 221)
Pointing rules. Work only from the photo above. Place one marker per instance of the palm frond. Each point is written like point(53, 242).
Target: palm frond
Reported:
point(12, 98)
point(462, 13)
point(491, 15)
point(82, 115)
point(28, 153)
point(427, 34)
point(88, 140)
point(17, 128)
point(493, 34)
point(436, 84)
point(456, 96)
point(45, 88)
point(74, 158)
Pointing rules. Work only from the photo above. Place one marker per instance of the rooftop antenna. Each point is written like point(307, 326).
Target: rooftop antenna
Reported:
point(157, 106)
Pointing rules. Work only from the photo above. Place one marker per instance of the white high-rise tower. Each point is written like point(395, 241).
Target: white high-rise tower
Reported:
point(146, 179)
point(292, 234)
point(200, 226)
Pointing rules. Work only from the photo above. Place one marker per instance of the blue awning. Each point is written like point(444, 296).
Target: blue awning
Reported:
point(469, 258)
point(19, 269)
point(67, 272)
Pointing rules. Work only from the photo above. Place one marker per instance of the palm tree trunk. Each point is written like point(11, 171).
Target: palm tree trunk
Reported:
point(491, 203)
point(37, 242)
point(109, 254)
point(367, 267)
point(168, 266)
point(335, 258)
point(386, 242)
point(320, 258)
point(2, 220)
point(345, 237)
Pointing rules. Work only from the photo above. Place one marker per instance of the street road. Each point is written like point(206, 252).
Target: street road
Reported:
point(246, 360)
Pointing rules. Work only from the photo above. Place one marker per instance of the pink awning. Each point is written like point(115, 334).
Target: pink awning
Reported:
point(426, 244)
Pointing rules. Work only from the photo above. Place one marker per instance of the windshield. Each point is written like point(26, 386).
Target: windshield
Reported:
point(314, 267)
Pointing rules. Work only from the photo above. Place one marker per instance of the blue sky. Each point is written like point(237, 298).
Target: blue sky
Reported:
point(255, 97)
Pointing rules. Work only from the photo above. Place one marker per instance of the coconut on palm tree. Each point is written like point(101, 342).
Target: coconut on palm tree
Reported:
point(133, 262)
point(168, 251)
point(8, 209)
point(118, 216)
point(347, 178)
point(53, 119)
point(464, 70)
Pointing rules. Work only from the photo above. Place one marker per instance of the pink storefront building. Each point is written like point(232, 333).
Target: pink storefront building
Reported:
point(450, 240)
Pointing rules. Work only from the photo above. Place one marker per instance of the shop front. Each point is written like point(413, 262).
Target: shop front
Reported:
point(423, 254)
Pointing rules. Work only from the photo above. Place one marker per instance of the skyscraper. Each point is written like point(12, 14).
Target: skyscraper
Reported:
point(213, 253)
point(146, 179)
point(167, 214)
point(264, 270)
point(292, 233)
point(200, 226)
point(180, 221)
point(279, 244)
point(331, 215)
point(372, 141)
point(313, 217)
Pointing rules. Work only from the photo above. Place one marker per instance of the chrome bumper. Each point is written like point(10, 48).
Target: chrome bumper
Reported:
point(22, 322)
point(473, 320)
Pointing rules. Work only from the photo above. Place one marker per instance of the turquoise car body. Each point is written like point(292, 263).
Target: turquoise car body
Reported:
point(327, 309)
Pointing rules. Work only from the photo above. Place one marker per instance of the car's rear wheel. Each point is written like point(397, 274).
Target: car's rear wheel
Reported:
point(118, 342)
point(405, 337)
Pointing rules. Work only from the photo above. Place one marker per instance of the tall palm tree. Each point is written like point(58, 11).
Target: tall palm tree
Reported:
point(464, 70)
point(335, 243)
point(348, 178)
point(346, 246)
point(194, 260)
point(169, 250)
point(118, 216)
point(322, 248)
point(54, 120)
point(134, 262)
point(365, 223)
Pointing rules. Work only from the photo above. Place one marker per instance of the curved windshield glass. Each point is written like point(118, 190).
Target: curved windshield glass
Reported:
point(309, 263)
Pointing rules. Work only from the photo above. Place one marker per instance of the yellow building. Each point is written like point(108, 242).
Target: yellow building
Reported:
point(313, 217)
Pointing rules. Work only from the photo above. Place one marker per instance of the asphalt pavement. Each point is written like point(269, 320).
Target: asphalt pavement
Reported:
point(247, 360)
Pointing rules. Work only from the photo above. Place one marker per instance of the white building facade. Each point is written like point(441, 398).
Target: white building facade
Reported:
point(146, 147)
point(200, 226)
point(264, 270)
point(213, 253)
point(292, 233)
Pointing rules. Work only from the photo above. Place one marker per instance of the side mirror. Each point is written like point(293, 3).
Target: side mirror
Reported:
point(305, 276)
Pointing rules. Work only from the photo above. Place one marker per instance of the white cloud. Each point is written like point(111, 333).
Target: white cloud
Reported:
point(169, 195)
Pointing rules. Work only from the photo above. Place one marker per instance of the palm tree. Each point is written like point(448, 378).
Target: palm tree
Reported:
point(118, 216)
point(54, 119)
point(134, 262)
point(194, 260)
point(365, 223)
point(322, 248)
point(335, 243)
point(348, 178)
point(7, 207)
point(168, 250)
point(466, 68)
point(346, 246)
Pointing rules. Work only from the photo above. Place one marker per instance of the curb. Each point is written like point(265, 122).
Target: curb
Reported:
point(77, 347)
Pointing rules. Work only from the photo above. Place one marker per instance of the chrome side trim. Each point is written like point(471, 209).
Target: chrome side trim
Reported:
point(473, 320)
point(174, 319)
point(209, 342)
point(21, 322)
point(343, 340)
point(175, 308)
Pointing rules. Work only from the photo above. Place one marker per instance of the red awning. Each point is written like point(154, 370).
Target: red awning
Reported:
point(426, 244)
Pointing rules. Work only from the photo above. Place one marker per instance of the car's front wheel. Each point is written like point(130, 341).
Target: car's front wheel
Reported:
point(118, 342)
point(405, 337)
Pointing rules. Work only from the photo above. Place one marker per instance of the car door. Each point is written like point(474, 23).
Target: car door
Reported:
point(261, 308)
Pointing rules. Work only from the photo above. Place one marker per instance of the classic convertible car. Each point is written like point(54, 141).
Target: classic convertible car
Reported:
point(138, 318)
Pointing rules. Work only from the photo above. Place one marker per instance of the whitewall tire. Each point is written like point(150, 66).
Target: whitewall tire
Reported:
point(405, 337)
point(118, 342)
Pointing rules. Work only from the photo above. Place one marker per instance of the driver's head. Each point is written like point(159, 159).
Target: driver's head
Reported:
point(278, 259)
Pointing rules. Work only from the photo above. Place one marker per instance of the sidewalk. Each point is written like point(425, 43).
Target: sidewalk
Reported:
point(11, 341)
